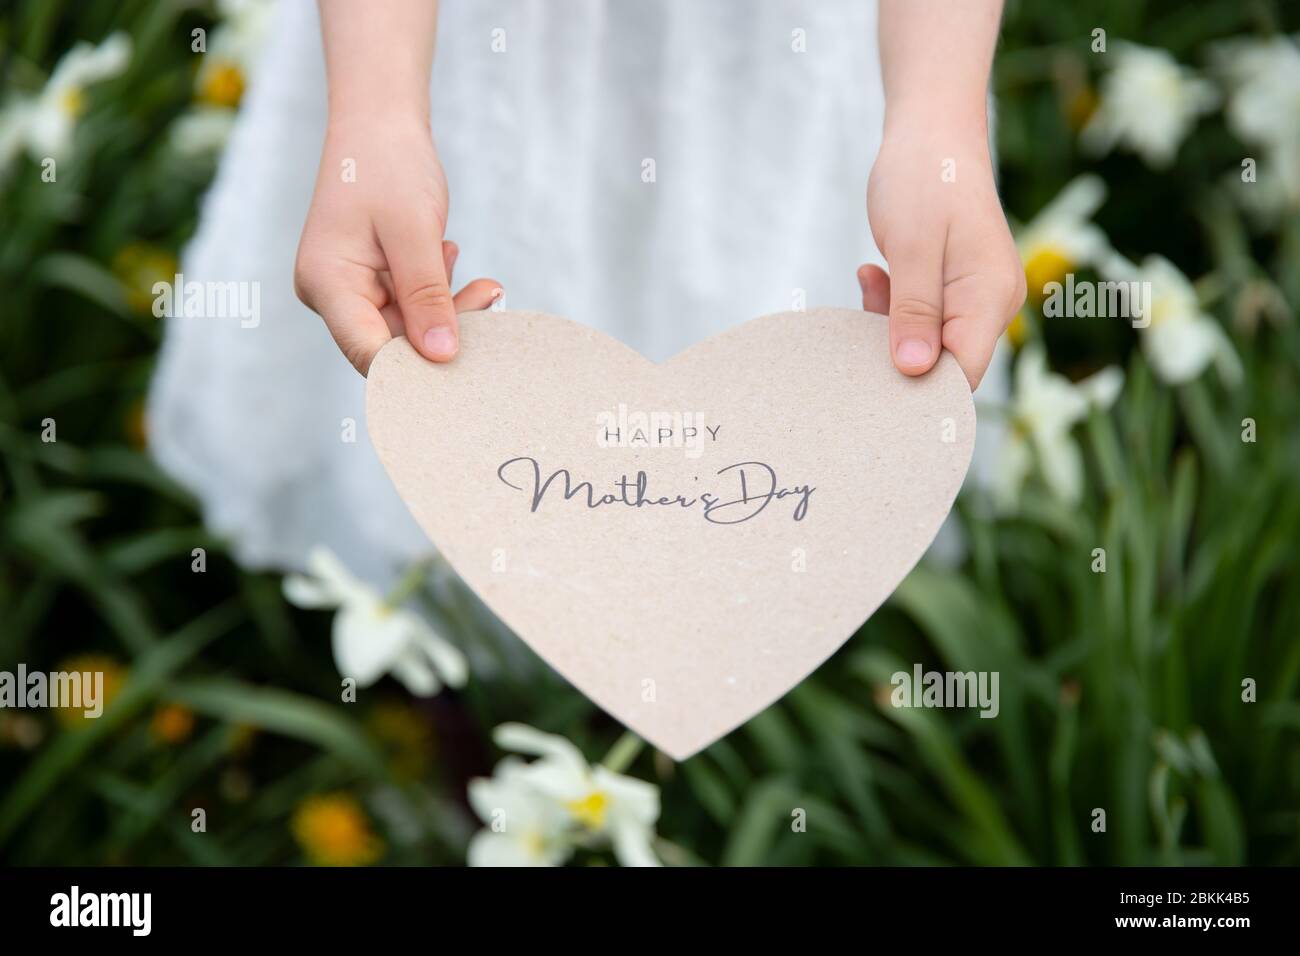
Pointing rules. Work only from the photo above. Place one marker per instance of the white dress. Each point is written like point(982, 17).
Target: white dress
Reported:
point(762, 118)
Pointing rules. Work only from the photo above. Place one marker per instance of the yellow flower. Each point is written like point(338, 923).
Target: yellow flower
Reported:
point(139, 266)
point(172, 723)
point(221, 84)
point(333, 830)
point(114, 677)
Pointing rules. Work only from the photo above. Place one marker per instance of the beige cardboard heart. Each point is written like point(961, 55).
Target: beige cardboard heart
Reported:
point(696, 578)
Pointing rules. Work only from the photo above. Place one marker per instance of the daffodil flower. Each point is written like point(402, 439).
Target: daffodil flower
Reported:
point(44, 124)
point(579, 803)
point(1045, 407)
point(1264, 107)
point(372, 636)
point(525, 827)
point(230, 56)
point(1180, 341)
point(1149, 102)
point(1062, 238)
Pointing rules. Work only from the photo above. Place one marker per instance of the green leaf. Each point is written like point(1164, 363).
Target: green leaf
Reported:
point(282, 712)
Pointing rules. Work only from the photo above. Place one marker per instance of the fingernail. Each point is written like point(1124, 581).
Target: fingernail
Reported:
point(913, 352)
point(440, 342)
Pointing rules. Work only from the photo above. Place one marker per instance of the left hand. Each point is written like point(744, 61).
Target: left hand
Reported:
point(955, 279)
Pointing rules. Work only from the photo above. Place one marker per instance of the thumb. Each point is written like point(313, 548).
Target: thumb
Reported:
point(916, 305)
point(413, 246)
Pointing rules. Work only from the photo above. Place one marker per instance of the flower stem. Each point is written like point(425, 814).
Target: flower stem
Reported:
point(624, 751)
point(409, 581)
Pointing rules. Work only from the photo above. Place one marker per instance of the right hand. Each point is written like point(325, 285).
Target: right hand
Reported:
point(372, 261)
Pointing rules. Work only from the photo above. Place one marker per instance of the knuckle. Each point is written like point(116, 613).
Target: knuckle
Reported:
point(307, 270)
point(910, 310)
point(428, 294)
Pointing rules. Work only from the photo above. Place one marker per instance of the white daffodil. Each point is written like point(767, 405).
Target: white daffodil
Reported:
point(1179, 339)
point(525, 827)
point(371, 636)
point(1264, 108)
point(1045, 407)
point(1062, 237)
point(44, 124)
point(1149, 102)
point(592, 803)
point(232, 51)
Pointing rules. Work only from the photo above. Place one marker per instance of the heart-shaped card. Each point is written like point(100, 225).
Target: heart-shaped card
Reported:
point(683, 541)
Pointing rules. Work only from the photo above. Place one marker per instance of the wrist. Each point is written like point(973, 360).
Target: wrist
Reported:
point(347, 116)
point(359, 103)
point(938, 115)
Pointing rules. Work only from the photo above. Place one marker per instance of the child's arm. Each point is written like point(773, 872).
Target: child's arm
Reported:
point(372, 260)
point(955, 278)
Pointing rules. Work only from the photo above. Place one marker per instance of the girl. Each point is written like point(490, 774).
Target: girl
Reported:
point(659, 170)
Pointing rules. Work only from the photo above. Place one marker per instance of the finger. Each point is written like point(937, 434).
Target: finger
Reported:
point(478, 295)
point(420, 281)
point(916, 303)
point(875, 289)
point(978, 308)
point(357, 326)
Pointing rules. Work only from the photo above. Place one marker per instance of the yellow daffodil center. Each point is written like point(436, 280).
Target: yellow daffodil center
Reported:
point(1043, 265)
point(73, 101)
point(222, 85)
point(590, 810)
point(333, 831)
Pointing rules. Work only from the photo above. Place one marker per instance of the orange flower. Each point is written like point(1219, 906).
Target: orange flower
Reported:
point(172, 723)
point(333, 830)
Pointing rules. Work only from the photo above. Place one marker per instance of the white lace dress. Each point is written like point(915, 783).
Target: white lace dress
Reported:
point(762, 118)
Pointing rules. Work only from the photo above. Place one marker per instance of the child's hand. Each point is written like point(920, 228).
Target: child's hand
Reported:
point(955, 278)
point(372, 260)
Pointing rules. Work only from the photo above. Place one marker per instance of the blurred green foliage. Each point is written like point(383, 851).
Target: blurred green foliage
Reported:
point(1120, 691)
